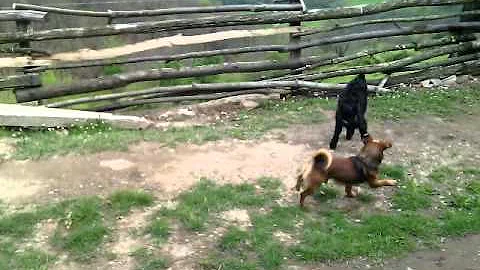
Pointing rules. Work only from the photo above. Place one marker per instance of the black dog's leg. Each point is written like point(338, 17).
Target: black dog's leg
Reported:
point(362, 126)
point(350, 132)
point(336, 134)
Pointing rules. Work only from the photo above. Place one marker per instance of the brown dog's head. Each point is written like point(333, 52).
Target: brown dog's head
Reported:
point(373, 149)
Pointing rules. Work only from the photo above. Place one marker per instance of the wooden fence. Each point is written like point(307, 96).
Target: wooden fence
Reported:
point(297, 72)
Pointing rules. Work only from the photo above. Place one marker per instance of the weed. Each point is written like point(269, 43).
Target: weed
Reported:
point(123, 200)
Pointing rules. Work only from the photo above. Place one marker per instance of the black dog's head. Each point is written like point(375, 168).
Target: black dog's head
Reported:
point(357, 85)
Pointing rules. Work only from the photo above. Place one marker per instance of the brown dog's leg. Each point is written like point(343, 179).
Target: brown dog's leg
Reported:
point(376, 183)
point(349, 192)
point(310, 189)
point(299, 182)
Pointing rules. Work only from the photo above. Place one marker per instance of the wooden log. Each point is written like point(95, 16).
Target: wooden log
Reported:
point(471, 67)
point(220, 21)
point(172, 57)
point(22, 15)
point(16, 62)
point(215, 87)
point(371, 52)
point(157, 12)
point(20, 81)
point(120, 80)
point(386, 20)
point(446, 62)
point(177, 40)
point(393, 66)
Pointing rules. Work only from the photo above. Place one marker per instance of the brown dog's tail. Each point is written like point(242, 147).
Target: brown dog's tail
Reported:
point(321, 160)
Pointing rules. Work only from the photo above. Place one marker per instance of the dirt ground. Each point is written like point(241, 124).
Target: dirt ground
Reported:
point(420, 145)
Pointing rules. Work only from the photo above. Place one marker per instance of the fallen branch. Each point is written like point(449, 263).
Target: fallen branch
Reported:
point(220, 21)
point(157, 12)
point(386, 20)
point(215, 87)
point(129, 103)
point(24, 15)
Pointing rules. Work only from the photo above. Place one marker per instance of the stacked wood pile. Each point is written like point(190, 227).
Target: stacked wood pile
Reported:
point(298, 72)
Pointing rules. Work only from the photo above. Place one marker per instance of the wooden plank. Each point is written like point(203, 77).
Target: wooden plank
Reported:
point(20, 81)
point(28, 116)
point(22, 15)
point(156, 12)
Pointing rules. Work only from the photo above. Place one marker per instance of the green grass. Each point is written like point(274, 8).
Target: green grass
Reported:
point(96, 137)
point(377, 236)
point(148, 260)
point(412, 196)
point(233, 238)
point(123, 200)
point(366, 197)
point(443, 174)
point(82, 229)
point(195, 207)
point(325, 193)
point(252, 124)
point(159, 229)
point(28, 259)
point(436, 102)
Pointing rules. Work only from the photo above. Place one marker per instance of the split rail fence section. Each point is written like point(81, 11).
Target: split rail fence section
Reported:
point(447, 46)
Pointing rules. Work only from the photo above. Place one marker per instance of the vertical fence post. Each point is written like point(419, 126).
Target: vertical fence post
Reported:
point(295, 54)
point(25, 26)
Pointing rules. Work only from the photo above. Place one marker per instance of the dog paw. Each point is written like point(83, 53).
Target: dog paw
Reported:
point(333, 145)
point(392, 182)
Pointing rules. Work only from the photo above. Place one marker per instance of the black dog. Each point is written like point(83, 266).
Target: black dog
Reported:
point(351, 108)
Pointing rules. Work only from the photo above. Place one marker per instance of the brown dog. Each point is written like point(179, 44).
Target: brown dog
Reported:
point(348, 171)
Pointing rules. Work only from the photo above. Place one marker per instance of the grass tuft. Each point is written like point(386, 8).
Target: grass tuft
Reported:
point(123, 200)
